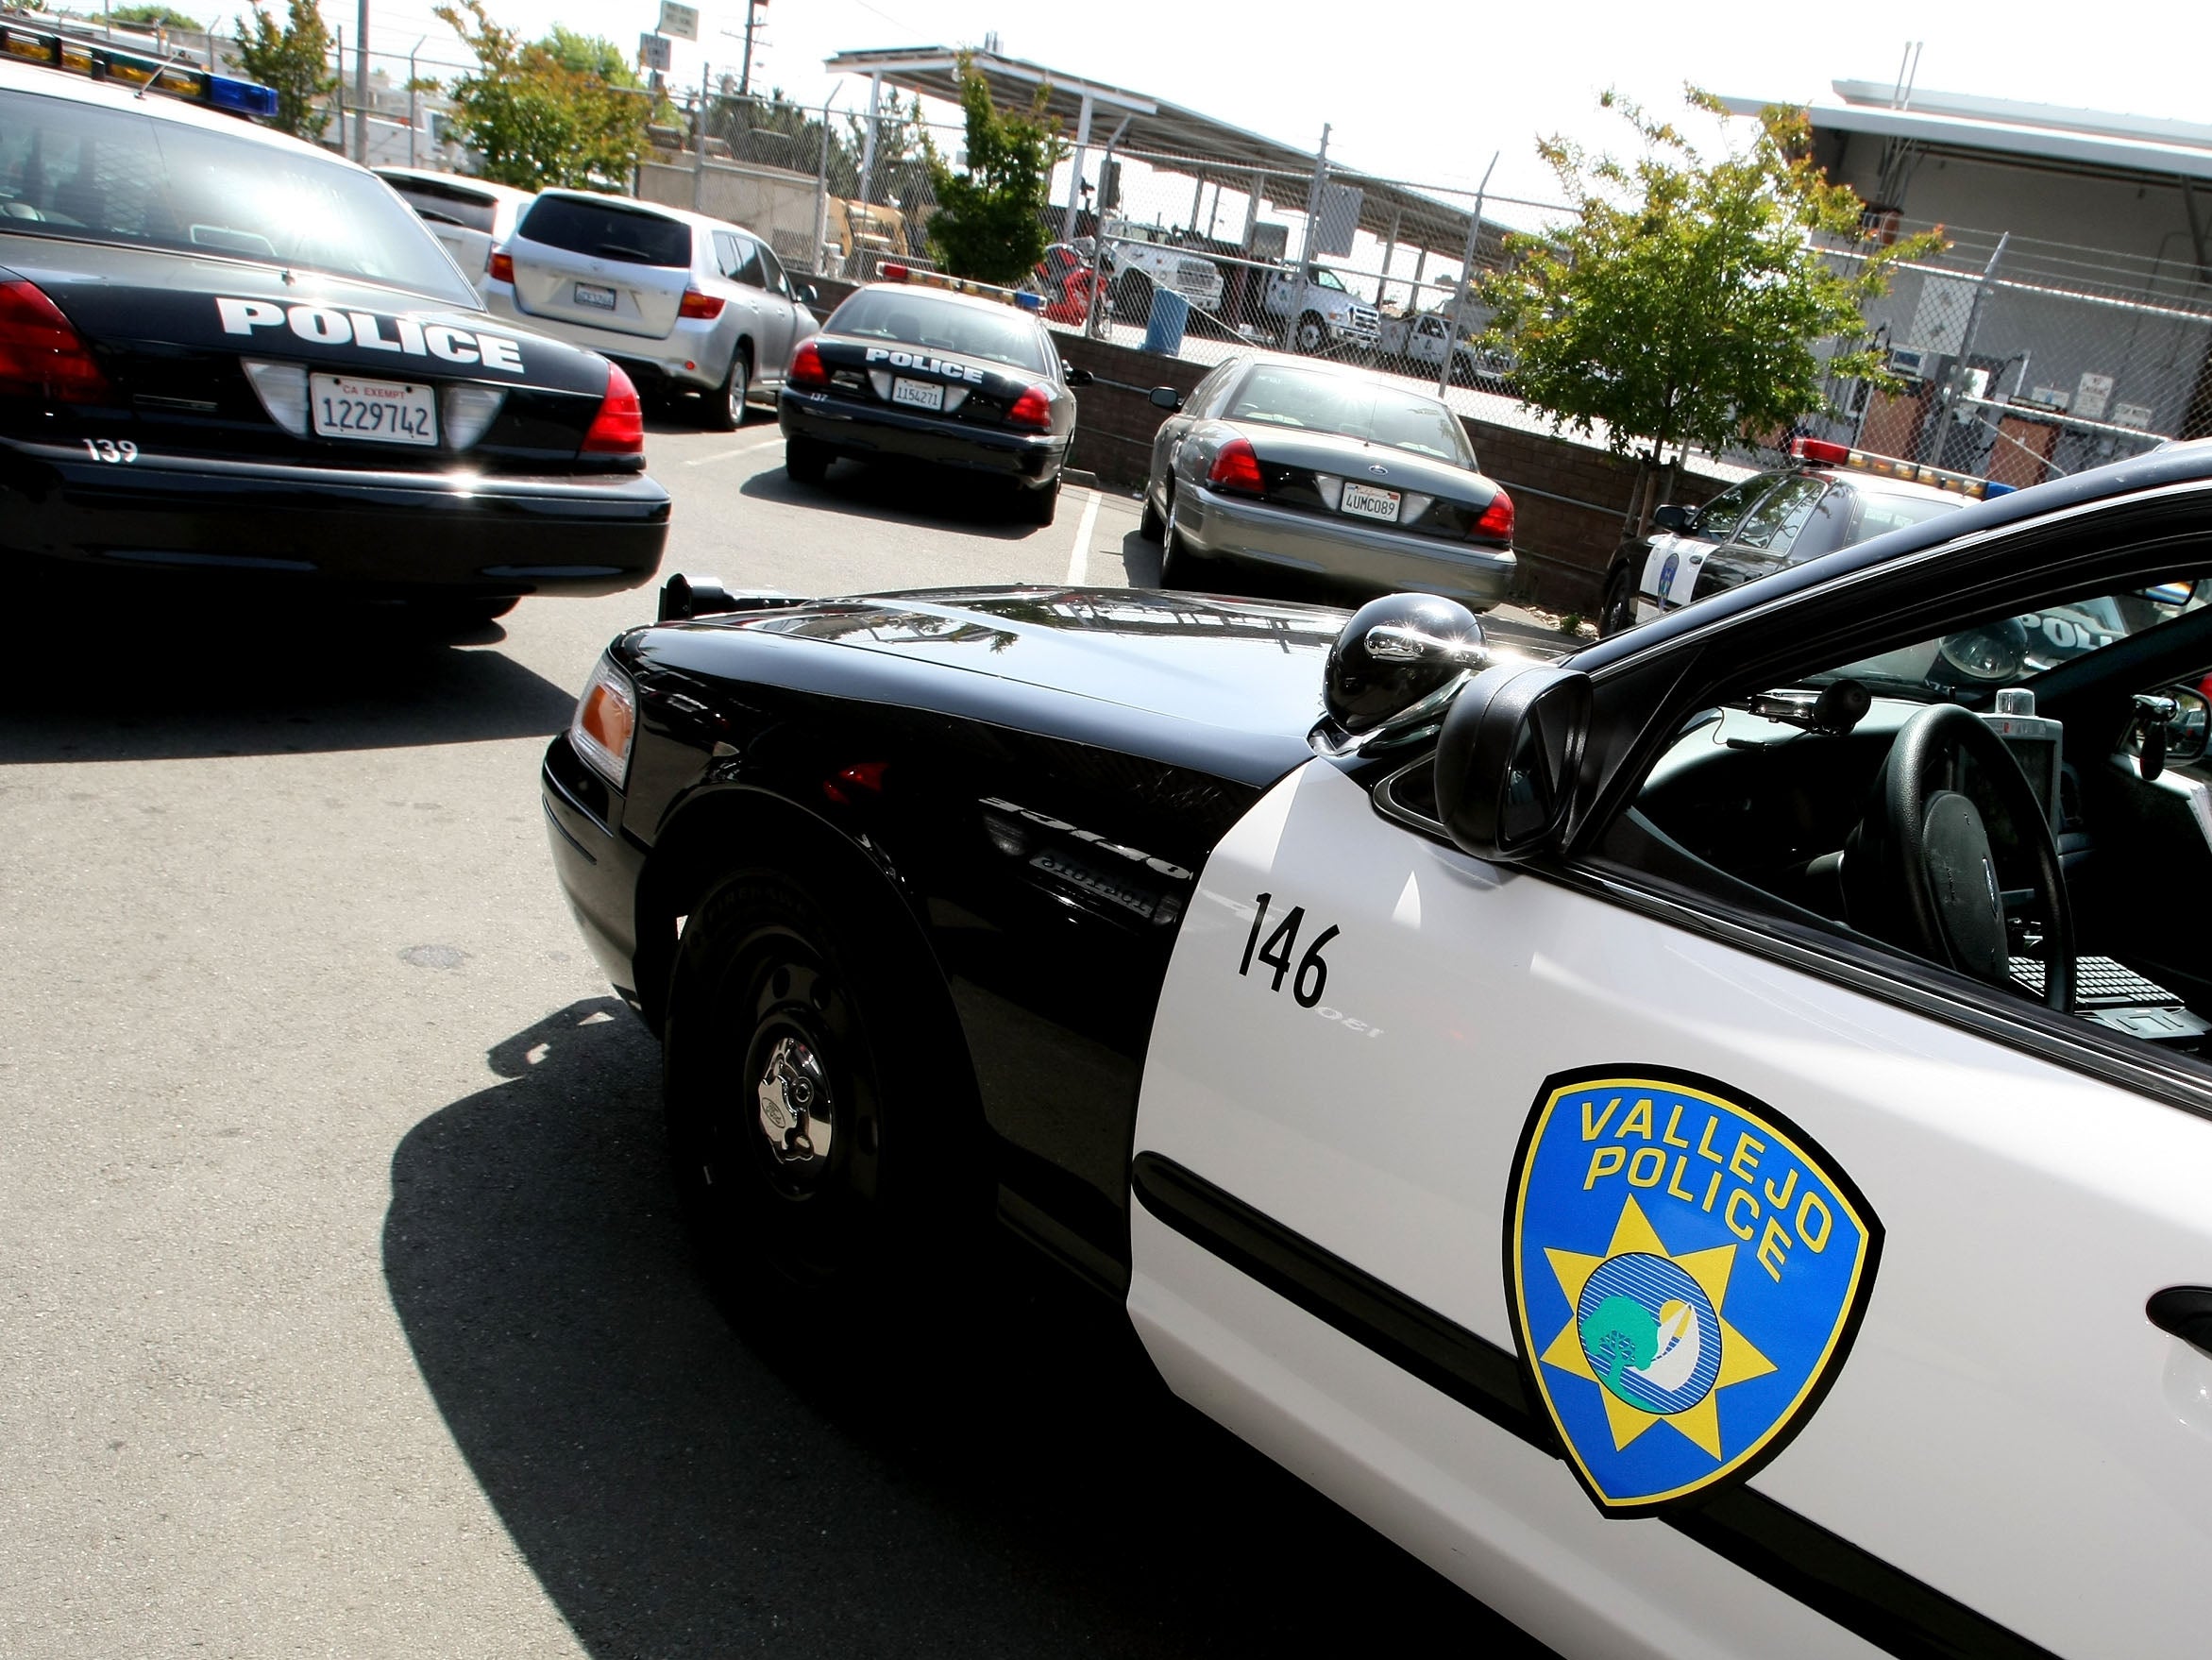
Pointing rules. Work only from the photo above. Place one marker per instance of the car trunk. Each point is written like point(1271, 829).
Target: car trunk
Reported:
point(603, 265)
point(1351, 479)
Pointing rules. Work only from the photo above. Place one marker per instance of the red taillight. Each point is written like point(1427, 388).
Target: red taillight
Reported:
point(892, 273)
point(618, 429)
point(700, 305)
point(501, 268)
point(1235, 467)
point(807, 369)
point(1496, 523)
point(1032, 409)
point(1820, 451)
point(41, 354)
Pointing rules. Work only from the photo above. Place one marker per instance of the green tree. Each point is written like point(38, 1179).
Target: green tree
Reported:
point(295, 60)
point(160, 17)
point(591, 55)
point(989, 219)
point(1686, 303)
point(537, 120)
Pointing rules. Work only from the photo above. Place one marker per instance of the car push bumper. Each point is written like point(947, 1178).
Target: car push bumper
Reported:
point(868, 431)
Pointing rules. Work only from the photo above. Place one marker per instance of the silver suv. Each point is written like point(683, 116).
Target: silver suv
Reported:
point(684, 303)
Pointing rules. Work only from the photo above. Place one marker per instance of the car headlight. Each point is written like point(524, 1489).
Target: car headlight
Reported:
point(607, 722)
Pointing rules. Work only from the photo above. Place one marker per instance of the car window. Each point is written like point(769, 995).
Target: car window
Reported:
point(607, 231)
point(1878, 514)
point(1207, 395)
point(914, 317)
point(1719, 517)
point(771, 269)
point(1323, 278)
point(745, 264)
point(84, 172)
point(1281, 395)
point(1774, 524)
point(445, 204)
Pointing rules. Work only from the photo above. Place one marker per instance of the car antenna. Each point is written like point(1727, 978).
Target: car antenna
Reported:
point(160, 69)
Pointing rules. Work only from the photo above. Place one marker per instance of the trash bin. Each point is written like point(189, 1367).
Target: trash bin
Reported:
point(1163, 329)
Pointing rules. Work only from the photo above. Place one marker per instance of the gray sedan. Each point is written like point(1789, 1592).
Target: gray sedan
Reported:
point(1328, 471)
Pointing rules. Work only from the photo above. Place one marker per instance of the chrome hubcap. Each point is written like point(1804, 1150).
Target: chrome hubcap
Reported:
point(794, 1102)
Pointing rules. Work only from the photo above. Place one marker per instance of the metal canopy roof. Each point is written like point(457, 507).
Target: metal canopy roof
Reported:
point(1194, 145)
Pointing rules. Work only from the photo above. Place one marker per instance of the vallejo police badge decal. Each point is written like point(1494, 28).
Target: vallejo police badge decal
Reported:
point(1686, 1270)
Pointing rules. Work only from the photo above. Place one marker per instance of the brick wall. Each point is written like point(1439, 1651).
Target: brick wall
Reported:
point(1569, 497)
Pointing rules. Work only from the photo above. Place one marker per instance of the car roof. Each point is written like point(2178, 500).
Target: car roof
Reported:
point(1875, 485)
point(498, 193)
point(70, 86)
point(658, 210)
point(1342, 371)
point(950, 296)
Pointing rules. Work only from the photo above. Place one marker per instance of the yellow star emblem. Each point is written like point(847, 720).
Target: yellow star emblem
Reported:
point(1739, 1359)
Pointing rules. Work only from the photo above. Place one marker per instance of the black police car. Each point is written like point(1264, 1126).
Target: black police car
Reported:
point(930, 369)
point(224, 352)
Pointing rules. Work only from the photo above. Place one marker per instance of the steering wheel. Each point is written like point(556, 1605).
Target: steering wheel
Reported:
point(1929, 853)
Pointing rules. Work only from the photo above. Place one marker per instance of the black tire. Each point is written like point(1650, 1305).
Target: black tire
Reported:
point(789, 1003)
point(806, 461)
point(1133, 299)
point(1152, 526)
point(1039, 506)
point(1310, 337)
point(723, 411)
point(1618, 610)
point(1179, 568)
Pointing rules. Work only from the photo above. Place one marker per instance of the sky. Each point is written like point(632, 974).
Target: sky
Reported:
point(1432, 92)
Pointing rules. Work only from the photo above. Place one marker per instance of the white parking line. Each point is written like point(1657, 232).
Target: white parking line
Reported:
point(1079, 561)
point(741, 450)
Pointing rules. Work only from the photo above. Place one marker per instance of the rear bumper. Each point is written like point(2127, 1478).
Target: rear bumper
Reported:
point(458, 533)
point(869, 432)
point(597, 868)
point(653, 362)
point(1225, 526)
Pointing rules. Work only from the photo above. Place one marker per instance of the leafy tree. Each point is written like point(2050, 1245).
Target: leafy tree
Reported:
point(295, 60)
point(537, 120)
point(158, 17)
point(591, 55)
point(1685, 304)
point(990, 220)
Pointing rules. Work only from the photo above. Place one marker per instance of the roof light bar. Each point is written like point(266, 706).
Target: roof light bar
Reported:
point(1821, 453)
point(1005, 296)
point(179, 80)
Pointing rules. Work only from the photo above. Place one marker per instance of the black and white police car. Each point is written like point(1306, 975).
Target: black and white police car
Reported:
point(924, 368)
point(1705, 1141)
point(227, 354)
point(1831, 496)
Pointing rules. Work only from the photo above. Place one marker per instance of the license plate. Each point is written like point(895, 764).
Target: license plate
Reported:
point(598, 298)
point(1366, 502)
point(920, 394)
point(382, 412)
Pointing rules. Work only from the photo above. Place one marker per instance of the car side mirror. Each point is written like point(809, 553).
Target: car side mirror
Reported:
point(1508, 759)
point(809, 295)
point(1166, 398)
point(1673, 517)
point(1075, 376)
point(2170, 729)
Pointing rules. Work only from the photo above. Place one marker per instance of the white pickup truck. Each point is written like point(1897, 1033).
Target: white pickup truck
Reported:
point(1324, 317)
point(1414, 344)
point(1139, 259)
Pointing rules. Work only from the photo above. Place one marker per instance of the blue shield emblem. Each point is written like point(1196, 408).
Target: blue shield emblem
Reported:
point(1666, 578)
point(1686, 1270)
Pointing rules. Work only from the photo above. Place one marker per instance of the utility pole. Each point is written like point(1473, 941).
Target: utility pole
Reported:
point(412, 112)
point(1313, 198)
point(1451, 345)
point(744, 73)
point(360, 84)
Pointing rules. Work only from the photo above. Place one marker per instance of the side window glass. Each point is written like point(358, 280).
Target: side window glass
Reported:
point(771, 270)
point(725, 253)
point(1209, 392)
point(1718, 517)
point(745, 266)
point(1775, 522)
point(1826, 526)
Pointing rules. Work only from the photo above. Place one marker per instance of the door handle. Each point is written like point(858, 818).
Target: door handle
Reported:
point(2186, 1311)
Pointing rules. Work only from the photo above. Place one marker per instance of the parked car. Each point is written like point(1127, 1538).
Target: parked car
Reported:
point(1321, 314)
point(689, 305)
point(232, 357)
point(1064, 276)
point(1414, 344)
point(1140, 259)
point(1325, 470)
point(1830, 496)
point(471, 216)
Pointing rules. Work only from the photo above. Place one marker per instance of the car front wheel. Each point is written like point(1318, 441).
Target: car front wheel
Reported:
point(724, 410)
point(1620, 609)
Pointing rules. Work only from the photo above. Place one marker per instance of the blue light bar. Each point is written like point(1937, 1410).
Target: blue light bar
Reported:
point(242, 97)
point(1993, 489)
point(1028, 301)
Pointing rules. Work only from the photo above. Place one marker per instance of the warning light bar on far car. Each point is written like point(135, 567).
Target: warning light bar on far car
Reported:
point(1821, 453)
point(1008, 296)
point(179, 80)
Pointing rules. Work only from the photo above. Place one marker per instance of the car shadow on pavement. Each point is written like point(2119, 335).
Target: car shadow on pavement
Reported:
point(107, 673)
point(900, 494)
point(682, 1489)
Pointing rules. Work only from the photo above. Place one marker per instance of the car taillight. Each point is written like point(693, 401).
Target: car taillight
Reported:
point(807, 369)
point(1235, 467)
point(42, 355)
point(605, 722)
point(501, 268)
point(1496, 523)
point(1032, 409)
point(700, 305)
point(618, 429)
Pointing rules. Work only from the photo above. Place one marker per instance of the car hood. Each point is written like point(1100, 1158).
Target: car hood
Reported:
point(1231, 686)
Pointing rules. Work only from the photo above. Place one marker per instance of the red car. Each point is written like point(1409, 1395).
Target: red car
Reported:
point(1068, 283)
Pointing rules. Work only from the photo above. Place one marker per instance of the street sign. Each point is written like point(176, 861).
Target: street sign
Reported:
point(680, 21)
point(2091, 395)
point(653, 52)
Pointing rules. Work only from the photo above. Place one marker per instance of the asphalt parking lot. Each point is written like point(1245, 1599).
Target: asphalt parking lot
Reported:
point(346, 1313)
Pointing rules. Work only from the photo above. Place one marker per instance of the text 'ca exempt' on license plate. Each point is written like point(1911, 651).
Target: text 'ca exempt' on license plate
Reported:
point(920, 394)
point(382, 412)
point(591, 294)
point(1366, 502)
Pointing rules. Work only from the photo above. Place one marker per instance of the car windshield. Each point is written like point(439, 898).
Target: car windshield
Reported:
point(87, 173)
point(914, 317)
point(1323, 278)
point(1879, 515)
point(1277, 395)
point(606, 232)
point(444, 204)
